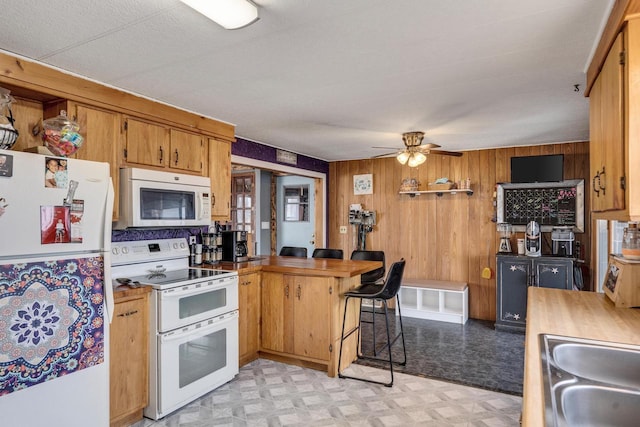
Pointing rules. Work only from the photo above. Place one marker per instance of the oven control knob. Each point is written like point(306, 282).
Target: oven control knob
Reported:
point(125, 250)
point(182, 245)
point(175, 246)
point(115, 251)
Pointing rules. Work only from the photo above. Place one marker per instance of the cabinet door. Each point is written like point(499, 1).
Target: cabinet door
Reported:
point(311, 316)
point(512, 283)
point(28, 115)
point(101, 131)
point(220, 173)
point(553, 273)
point(128, 371)
point(277, 313)
point(187, 151)
point(146, 143)
point(607, 164)
point(249, 307)
point(102, 137)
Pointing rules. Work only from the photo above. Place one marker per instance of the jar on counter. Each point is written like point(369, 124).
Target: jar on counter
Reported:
point(631, 242)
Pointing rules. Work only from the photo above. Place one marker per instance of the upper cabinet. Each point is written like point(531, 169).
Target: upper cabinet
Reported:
point(101, 132)
point(150, 144)
point(607, 133)
point(615, 130)
point(220, 174)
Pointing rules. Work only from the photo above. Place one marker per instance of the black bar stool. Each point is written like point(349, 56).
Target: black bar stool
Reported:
point(293, 251)
point(327, 253)
point(371, 277)
point(383, 293)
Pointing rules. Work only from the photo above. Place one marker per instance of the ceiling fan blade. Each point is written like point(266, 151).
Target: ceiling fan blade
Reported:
point(388, 148)
point(446, 153)
point(426, 147)
point(386, 154)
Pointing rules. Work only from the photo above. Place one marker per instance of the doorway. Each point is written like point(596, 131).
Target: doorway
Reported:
point(265, 205)
point(295, 207)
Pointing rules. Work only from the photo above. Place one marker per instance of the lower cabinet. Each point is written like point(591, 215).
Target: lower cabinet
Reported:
point(302, 318)
point(249, 319)
point(129, 360)
point(295, 315)
point(515, 274)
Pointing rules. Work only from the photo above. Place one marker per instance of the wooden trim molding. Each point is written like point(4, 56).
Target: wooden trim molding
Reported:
point(37, 81)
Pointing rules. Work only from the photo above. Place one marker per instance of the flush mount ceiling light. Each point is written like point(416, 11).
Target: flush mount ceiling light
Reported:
point(230, 14)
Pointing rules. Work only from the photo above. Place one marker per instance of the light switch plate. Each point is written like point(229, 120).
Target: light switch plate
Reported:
point(192, 240)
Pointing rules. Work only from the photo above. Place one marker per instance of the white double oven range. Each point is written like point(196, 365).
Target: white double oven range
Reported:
point(193, 321)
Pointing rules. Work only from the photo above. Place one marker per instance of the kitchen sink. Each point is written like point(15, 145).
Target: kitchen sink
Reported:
point(591, 405)
point(589, 382)
point(615, 365)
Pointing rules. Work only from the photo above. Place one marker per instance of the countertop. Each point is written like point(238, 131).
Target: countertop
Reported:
point(325, 267)
point(125, 291)
point(568, 313)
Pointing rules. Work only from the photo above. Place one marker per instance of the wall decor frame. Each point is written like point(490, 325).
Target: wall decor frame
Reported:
point(363, 184)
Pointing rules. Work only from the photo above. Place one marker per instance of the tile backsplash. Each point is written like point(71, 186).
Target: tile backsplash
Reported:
point(156, 233)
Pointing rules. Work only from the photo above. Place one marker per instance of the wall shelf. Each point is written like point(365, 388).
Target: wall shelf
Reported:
point(438, 193)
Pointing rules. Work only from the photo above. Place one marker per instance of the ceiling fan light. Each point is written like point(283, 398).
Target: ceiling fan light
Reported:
point(403, 157)
point(230, 14)
point(416, 159)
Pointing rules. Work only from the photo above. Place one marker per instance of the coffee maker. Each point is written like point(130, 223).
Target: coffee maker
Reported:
point(533, 239)
point(505, 237)
point(234, 246)
point(562, 238)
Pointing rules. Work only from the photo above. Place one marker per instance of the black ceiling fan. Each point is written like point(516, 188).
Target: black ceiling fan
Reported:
point(415, 153)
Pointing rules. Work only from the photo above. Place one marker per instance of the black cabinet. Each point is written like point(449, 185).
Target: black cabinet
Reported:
point(515, 274)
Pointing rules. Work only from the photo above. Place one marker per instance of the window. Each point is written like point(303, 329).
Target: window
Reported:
point(242, 202)
point(296, 203)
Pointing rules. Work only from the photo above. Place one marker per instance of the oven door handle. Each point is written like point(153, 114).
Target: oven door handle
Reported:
point(180, 334)
point(194, 289)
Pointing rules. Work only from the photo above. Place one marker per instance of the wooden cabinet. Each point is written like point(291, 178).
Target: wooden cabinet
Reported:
point(187, 151)
point(249, 319)
point(615, 130)
point(28, 117)
point(515, 274)
point(101, 131)
point(296, 315)
point(606, 132)
point(302, 319)
point(150, 144)
point(220, 174)
point(128, 366)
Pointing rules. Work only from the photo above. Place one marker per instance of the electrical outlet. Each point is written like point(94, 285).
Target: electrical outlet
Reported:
point(343, 229)
point(192, 240)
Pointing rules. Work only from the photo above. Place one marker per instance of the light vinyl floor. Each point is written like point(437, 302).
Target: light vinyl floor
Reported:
point(268, 393)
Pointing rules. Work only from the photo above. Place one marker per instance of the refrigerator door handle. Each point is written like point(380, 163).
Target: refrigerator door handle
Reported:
point(106, 242)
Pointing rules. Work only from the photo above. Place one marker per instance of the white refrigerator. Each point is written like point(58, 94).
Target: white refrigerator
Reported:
point(56, 297)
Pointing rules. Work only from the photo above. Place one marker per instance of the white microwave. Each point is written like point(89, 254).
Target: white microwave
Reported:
point(150, 198)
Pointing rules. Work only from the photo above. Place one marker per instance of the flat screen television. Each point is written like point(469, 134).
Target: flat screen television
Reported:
point(546, 168)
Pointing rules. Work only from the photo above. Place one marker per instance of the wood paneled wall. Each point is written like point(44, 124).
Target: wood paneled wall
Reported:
point(450, 237)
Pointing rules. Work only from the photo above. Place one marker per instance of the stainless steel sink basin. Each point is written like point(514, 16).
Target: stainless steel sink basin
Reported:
point(590, 383)
point(613, 365)
point(590, 405)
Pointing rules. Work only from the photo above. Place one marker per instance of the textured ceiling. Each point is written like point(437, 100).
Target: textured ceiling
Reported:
point(332, 78)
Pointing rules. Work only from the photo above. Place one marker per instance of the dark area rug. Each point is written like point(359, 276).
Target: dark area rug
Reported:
point(474, 354)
